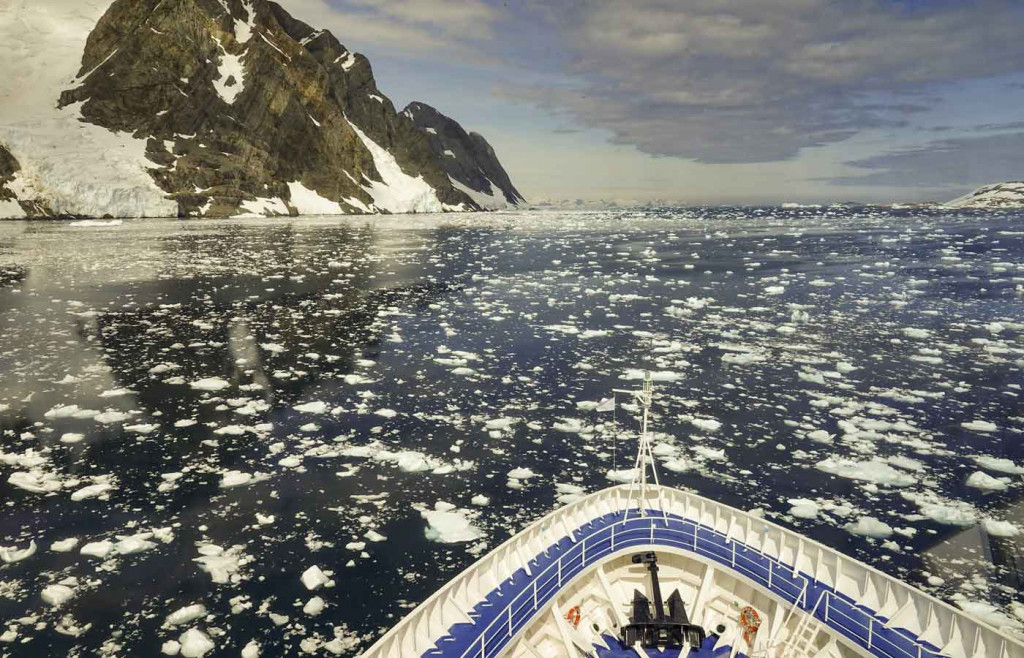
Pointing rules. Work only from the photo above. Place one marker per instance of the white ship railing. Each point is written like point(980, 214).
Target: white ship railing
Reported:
point(956, 634)
point(656, 531)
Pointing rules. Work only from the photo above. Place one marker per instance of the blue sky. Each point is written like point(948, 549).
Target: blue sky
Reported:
point(712, 101)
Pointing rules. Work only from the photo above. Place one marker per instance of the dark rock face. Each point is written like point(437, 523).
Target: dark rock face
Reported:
point(30, 208)
point(465, 157)
point(8, 167)
point(239, 102)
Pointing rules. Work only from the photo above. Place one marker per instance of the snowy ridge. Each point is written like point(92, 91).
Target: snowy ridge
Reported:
point(397, 192)
point(72, 144)
point(999, 195)
point(493, 201)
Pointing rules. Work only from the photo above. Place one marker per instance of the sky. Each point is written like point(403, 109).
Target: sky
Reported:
point(712, 101)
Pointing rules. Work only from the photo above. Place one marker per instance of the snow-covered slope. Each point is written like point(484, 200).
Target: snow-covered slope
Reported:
point(999, 195)
point(200, 108)
point(467, 158)
point(70, 166)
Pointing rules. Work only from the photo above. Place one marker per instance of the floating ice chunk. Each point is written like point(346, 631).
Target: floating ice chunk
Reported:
point(998, 464)
point(99, 549)
point(111, 416)
point(386, 413)
point(134, 544)
point(624, 476)
point(222, 565)
point(914, 332)
point(449, 525)
point(1000, 528)
point(569, 426)
point(314, 578)
point(92, 491)
point(657, 376)
point(186, 615)
point(982, 480)
point(716, 454)
point(210, 384)
point(316, 407)
point(869, 526)
point(9, 554)
point(803, 508)
point(812, 377)
point(374, 536)
point(71, 437)
point(703, 424)
point(195, 643)
point(500, 423)
point(314, 606)
point(875, 471)
point(958, 512)
point(64, 545)
point(521, 473)
point(480, 500)
point(171, 648)
point(141, 428)
point(251, 650)
point(57, 595)
point(230, 479)
point(980, 426)
point(35, 481)
point(820, 436)
point(774, 290)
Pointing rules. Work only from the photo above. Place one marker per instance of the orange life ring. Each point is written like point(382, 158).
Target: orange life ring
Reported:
point(574, 616)
point(750, 621)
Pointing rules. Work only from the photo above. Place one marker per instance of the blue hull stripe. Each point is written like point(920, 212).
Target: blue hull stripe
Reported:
point(484, 639)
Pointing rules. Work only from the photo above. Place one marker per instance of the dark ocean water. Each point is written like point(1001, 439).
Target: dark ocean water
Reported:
point(858, 363)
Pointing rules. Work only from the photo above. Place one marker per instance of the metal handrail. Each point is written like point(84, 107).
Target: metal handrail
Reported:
point(609, 539)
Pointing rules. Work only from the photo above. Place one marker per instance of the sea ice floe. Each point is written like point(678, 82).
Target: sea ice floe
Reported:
point(57, 595)
point(314, 578)
point(998, 464)
point(869, 526)
point(10, 554)
point(803, 508)
point(210, 384)
point(982, 480)
point(875, 471)
point(229, 479)
point(186, 615)
point(195, 643)
point(449, 525)
point(223, 565)
point(982, 426)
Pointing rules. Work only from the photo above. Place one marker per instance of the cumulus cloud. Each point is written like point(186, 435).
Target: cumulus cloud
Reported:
point(960, 162)
point(734, 81)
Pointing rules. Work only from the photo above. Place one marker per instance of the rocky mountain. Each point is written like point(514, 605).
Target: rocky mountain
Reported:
point(467, 158)
point(999, 195)
point(215, 108)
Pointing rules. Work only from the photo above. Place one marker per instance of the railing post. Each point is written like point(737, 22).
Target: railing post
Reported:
point(583, 559)
point(509, 608)
point(613, 538)
point(483, 644)
point(827, 599)
point(733, 554)
point(652, 530)
point(871, 630)
point(535, 593)
point(560, 571)
point(771, 570)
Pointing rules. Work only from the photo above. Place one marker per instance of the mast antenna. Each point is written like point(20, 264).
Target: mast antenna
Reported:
point(645, 454)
